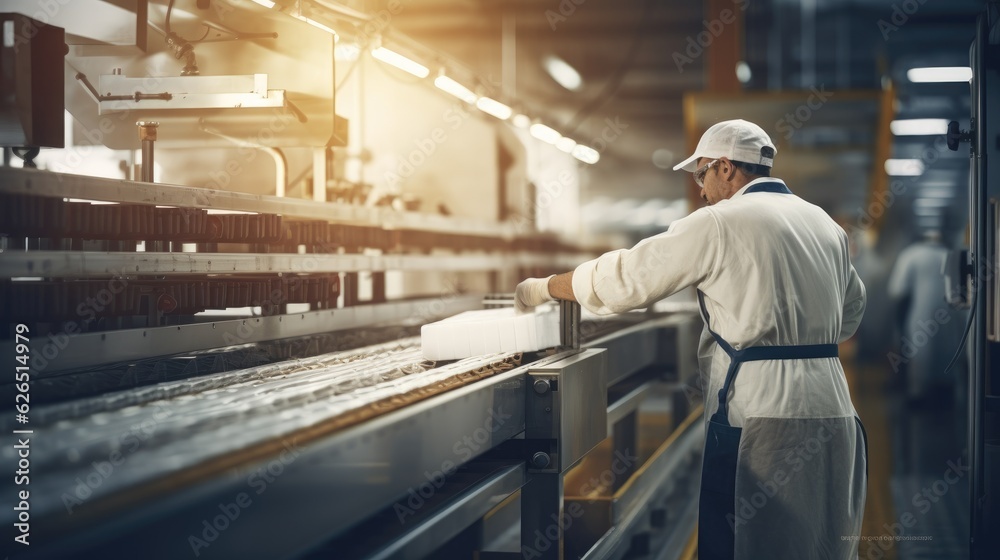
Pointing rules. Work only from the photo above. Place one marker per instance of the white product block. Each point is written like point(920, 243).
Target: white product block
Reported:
point(489, 331)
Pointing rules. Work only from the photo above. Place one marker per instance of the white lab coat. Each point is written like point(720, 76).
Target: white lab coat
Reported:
point(774, 270)
point(932, 329)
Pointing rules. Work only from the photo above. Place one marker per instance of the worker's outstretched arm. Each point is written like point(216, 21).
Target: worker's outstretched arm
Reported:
point(561, 286)
point(628, 279)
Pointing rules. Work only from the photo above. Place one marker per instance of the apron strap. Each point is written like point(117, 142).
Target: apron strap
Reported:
point(757, 353)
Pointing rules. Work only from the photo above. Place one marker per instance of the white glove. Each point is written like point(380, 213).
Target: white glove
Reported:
point(532, 292)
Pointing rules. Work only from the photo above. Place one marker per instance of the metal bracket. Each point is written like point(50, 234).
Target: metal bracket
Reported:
point(956, 135)
point(569, 325)
point(117, 92)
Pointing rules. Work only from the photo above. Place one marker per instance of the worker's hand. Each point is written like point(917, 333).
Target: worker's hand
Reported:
point(532, 292)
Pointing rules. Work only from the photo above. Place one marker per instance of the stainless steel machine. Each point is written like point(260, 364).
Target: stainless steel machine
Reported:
point(981, 290)
point(215, 371)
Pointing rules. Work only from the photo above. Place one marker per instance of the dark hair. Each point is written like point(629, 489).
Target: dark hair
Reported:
point(753, 170)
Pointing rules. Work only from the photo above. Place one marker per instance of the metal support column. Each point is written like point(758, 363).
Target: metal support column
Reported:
point(565, 417)
point(147, 136)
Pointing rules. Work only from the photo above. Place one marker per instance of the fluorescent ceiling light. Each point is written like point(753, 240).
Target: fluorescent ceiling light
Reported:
point(904, 167)
point(521, 121)
point(266, 3)
point(937, 192)
point(319, 25)
point(586, 154)
point(939, 74)
point(544, 133)
point(94, 202)
point(927, 211)
point(932, 202)
point(919, 127)
point(399, 61)
point(494, 107)
point(566, 144)
point(449, 86)
point(227, 212)
point(938, 183)
point(564, 74)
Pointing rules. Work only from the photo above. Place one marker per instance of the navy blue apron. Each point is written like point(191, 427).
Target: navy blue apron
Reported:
point(717, 507)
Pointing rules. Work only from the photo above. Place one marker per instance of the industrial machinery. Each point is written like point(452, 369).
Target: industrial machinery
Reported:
point(980, 274)
point(230, 369)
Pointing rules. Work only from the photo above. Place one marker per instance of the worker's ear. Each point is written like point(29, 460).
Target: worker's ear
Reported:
point(727, 171)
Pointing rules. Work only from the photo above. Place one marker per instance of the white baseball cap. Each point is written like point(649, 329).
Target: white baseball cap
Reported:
point(738, 140)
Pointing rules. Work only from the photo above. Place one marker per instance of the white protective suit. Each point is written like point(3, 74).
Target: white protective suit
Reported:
point(932, 328)
point(773, 270)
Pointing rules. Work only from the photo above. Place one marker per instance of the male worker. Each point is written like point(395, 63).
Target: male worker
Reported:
point(784, 472)
point(930, 327)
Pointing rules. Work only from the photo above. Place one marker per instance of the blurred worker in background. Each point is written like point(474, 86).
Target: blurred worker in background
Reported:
point(929, 327)
point(784, 473)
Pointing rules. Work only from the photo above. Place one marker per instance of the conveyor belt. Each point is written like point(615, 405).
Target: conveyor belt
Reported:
point(169, 427)
point(91, 300)
point(55, 219)
point(360, 427)
point(86, 382)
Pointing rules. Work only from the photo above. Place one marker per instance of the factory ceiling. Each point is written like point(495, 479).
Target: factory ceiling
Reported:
point(627, 67)
point(637, 59)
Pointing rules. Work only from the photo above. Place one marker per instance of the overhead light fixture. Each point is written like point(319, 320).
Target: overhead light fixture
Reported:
point(266, 3)
point(494, 107)
point(566, 144)
point(451, 87)
point(936, 192)
point(564, 74)
point(932, 202)
point(939, 74)
point(93, 202)
point(319, 25)
point(919, 127)
point(545, 133)
point(904, 167)
point(521, 121)
point(399, 61)
point(586, 154)
point(743, 73)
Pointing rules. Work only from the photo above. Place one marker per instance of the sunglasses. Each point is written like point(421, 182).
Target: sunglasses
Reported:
point(699, 174)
